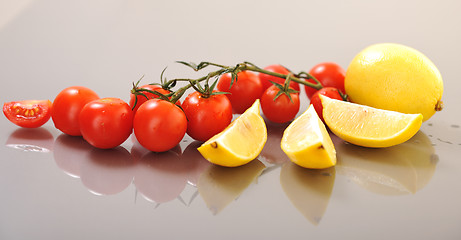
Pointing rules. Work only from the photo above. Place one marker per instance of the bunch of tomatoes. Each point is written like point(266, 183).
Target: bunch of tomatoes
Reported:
point(160, 122)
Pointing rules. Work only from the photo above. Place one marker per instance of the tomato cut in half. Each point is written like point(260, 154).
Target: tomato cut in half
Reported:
point(28, 113)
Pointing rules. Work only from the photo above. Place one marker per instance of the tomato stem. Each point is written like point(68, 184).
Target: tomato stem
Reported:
point(300, 78)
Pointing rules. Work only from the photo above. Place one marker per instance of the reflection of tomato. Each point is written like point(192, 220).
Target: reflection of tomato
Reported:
point(329, 74)
point(206, 115)
point(159, 125)
point(28, 113)
point(266, 79)
point(70, 153)
point(280, 109)
point(106, 123)
point(108, 171)
point(67, 106)
point(272, 152)
point(243, 92)
point(31, 140)
point(142, 99)
point(327, 91)
point(161, 177)
point(196, 163)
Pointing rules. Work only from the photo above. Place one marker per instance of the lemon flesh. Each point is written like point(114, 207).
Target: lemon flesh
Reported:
point(307, 143)
point(395, 77)
point(367, 126)
point(241, 142)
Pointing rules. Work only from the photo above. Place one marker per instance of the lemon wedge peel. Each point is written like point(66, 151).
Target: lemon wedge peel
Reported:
point(241, 142)
point(307, 143)
point(367, 126)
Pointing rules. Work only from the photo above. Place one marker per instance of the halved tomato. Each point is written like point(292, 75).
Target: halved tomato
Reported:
point(28, 113)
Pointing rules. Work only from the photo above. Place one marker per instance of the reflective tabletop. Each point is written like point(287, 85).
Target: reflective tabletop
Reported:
point(54, 186)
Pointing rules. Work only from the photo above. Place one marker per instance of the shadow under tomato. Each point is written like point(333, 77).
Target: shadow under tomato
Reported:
point(31, 140)
point(107, 171)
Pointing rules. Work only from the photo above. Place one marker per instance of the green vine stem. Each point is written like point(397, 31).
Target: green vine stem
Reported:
point(300, 78)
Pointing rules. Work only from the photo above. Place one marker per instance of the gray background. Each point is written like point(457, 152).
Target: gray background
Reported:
point(48, 45)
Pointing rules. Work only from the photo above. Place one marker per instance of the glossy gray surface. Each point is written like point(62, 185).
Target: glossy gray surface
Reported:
point(57, 187)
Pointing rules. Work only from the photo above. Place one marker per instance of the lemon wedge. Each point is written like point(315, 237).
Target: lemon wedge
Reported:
point(241, 142)
point(307, 143)
point(367, 126)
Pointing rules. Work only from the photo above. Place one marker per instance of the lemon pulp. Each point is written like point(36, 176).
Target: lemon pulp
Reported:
point(307, 142)
point(367, 126)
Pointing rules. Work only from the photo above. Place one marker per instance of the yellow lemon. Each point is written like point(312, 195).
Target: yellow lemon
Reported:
point(307, 143)
point(241, 142)
point(367, 126)
point(395, 77)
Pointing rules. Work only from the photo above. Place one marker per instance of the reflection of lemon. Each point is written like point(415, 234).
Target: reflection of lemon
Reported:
point(395, 77)
point(240, 142)
point(219, 186)
point(367, 126)
point(402, 169)
point(308, 189)
point(307, 143)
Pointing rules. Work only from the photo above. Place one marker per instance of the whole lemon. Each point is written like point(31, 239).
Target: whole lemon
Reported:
point(395, 77)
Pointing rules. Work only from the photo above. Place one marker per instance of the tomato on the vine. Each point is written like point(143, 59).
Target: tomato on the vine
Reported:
point(280, 109)
point(329, 74)
point(330, 92)
point(159, 125)
point(245, 89)
point(106, 123)
point(142, 99)
point(67, 106)
point(206, 115)
point(28, 113)
point(266, 79)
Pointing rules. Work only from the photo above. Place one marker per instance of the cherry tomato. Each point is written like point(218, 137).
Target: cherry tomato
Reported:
point(206, 116)
point(266, 79)
point(280, 110)
point(159, 125)
point(67, 106)
point(28, 113)
point(330, 92)
point(244, 91)
point(142, 99)
point(329, 74)
point(106, 123)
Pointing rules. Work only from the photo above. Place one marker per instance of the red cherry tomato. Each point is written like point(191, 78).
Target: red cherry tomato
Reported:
point(206, 116)
point(244, 91)
point(266, 78)
point(67, 106)
point(329, 74)
point(106, 123)
point(280, 110)
point(330, 92)
point(159, 125)
point(142, 99)
point(28, 113)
